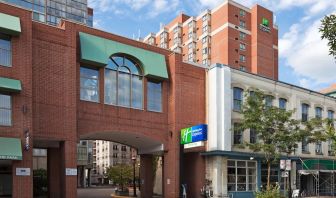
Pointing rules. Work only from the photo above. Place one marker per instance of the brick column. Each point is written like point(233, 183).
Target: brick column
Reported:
point(146, 175)
point(23, 185)
point(171, 172)
point(69, 160)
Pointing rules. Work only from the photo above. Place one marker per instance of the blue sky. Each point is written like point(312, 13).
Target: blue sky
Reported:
point(303, 56)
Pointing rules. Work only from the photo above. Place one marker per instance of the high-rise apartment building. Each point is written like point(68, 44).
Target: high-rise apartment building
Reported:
point(106, 154)
point(52, 11)
point(232, 34)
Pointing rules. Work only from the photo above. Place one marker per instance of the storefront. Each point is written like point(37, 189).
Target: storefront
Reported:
point(10, 149)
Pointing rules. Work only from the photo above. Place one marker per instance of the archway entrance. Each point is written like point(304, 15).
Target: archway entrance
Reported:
point(136, 157)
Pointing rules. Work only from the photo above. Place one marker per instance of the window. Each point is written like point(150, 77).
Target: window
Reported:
point(89, 84)
point(237, 98)
point(237, 134)
point(242, 35)
point(242, 12)
point(305, 109)
point(318, 112)
point(242, 58)
point(242, 175)
point(242, 24)
point(205, 17)
point(190, 24)
point(5, 51)
point(190, 34)
point(154, 96)
point(305, 148)
point(282, 103)
point(205, 61)
point(115, 147)
point(242, 46)
point(205, 51)
point(123, 83)
point(204, 40)
point(123, 148)
point(253, 136)
point(318, 147)
point(5, 110)
point(115, 155)
point(330, 147)
point(205, 29)
point(274, 176)
point(269, 101)
point(242, 68)
point(330, 114)
point(190, 57)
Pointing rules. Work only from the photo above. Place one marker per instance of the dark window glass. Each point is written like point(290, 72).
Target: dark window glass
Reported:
point(269, 101)
point(237, 98)
point(154, 96)
point(305, 148)
point(253, 136)
point(5, 51)
point(5, 110)
point(282, 103)
point(305, 109)
point(238, 134)
point(318, 112)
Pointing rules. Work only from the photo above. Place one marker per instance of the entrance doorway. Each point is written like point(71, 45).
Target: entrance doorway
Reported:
point(6, 179)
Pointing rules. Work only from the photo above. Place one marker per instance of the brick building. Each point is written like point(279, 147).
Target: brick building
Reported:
point(231, 34)
point(63, 84)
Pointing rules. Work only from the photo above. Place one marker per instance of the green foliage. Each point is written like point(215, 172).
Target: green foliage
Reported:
point(120, 174)
point(273, 192)
point(276, 130)
point(328, 30)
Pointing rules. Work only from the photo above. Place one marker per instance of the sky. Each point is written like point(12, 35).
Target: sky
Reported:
point(304, 59)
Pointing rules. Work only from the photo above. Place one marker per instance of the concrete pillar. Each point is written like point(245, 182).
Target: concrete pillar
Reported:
point(217, 173)
point(54, 172)
point(146, 176)
point(69, 160)
point(23, 185)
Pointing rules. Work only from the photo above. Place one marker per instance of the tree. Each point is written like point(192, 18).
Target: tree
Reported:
point(328, 30)
point(275, 128)
point(120, 174)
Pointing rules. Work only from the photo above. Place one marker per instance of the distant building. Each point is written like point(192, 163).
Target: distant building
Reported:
point(330, 91)
point(232, 34)
point(52, 11)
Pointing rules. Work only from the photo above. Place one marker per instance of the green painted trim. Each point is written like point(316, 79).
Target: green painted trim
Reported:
point(96, 51)
point(10, 149)
point(10, 85)
point(10, 24)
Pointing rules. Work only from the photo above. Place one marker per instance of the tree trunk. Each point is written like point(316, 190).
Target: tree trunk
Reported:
point(268, 174)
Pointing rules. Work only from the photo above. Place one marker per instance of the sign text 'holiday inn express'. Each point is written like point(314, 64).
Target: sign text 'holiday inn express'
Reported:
point(194, 134)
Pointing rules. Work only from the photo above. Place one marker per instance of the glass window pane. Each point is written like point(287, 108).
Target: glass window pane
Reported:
point(154, 96)
point(124, 69)
point(137, 90)
point(231, 178)
point(90, 73)
point(231, 187)
point(5, 101)
point(118, 60)
point(5, 117)
point(124, 89)
point(110, 87)
point(111, 65)
point(5, 51)
point(89, 84)
point(241, 187)
point(131, 66)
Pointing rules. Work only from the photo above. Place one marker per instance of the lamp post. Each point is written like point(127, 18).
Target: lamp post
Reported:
point(134, 185)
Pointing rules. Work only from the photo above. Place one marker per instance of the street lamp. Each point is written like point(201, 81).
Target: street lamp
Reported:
point(134, 185)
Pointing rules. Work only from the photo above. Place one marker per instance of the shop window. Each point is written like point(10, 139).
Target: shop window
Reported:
point(5, 110)
point(154, 96)
point(237, 98)
point(123, 83)
point(274, 175)
point(242, 176)
point(5, 50)
point(89, 84)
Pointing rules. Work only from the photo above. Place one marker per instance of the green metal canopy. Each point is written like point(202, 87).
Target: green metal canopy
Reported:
point(10, 24)
point(10, 149)
point(318, 164)
point(10, 85)
point(96, 51)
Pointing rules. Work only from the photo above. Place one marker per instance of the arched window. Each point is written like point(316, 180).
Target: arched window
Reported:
point(123, 82)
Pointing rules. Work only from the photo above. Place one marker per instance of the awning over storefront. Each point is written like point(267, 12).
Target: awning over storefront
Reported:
point(97, 50)
point(319, 164)
point(10, 24)
point(10, 149)
point(10, 85)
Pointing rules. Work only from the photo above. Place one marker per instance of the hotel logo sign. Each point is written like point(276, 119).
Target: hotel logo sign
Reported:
point(264, 26)
point(194, 134)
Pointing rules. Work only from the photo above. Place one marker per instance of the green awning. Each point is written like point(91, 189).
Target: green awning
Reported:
point(96, 51)
point(10, 24)
point(10, 85)
point(10, 149)
point(318, 164)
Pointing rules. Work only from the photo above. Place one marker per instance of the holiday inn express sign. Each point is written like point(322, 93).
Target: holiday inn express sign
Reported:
point(194, 134)
point(264, 26)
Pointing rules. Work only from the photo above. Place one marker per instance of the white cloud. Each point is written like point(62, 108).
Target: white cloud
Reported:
point(308, 56)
